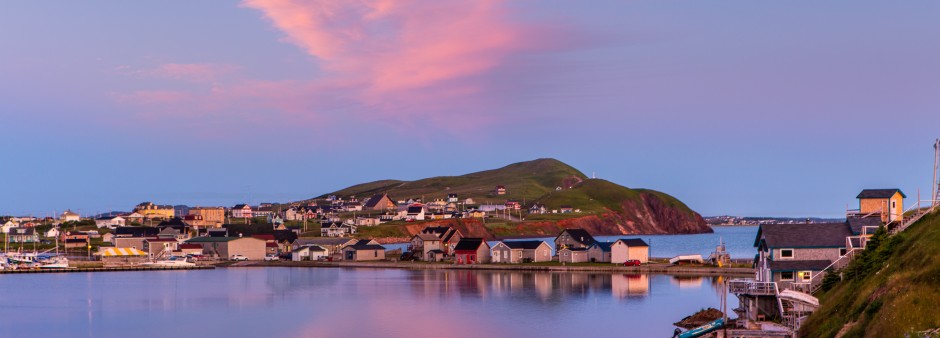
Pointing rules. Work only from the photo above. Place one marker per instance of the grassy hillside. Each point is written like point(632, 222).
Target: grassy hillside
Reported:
point(597, 195)
point(525, 180)
point(891, 290)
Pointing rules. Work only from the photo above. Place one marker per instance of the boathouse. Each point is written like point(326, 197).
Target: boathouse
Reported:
point(625, 249)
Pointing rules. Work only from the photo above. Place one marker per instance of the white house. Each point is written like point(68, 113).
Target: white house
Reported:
point(241, 211)
point(309, 253)
point(6, 226)
point(415, 213)
point(69, 216)
point(51, 233)
point(110, 222)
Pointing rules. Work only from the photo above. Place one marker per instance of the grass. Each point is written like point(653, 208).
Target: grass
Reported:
point(892, 289)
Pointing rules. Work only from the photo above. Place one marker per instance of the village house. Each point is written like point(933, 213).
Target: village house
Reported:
point(415, 213)
point(888, 203)
point(500, 190)
point(73, 239)
point(133, 218)
point(513, 205)
point(241, 211)
point(599, 252)
point(206, 217)
point(379, 202)
point(352, 206)
point(160, 247)
point(264, 210)
point(574, 239)
point(364, 250)
point(226, 247)
point(471, 251)
point(566, 209)
point(452, 198)
point(332, 245)
point(792, 254)
point(309, 253)
point(153, 211)
point(52, 232)
point(23, 235)
point(521, 252)
point(537, 209)
point(625, 249)
point(334, 229)
point(109, 222)
point(69, 216)
point(427, 247)
point(5, 228)
point(573, 255)
point(449, 237)
point(184, 249)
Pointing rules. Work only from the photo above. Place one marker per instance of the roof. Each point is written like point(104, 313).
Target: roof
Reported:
point(270, 245)
point(174, 222)
point(525, 245)
point(266, 237)
point(580, 235)
point(189, 246)
point(311, 247)
point(428, 237)
point(789, 265)
point(879, 193)
point(136, 231)
point(241, 206)
point(605, 246)
point(857, 223)
point(331, 241)
point(415, 210)
point(374, 200)
point(161, 240)
point(818, 235)
point(469, 243)
point(632, 242)
point(214, 239)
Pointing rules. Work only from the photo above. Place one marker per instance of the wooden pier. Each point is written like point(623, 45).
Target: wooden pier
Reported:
point(107, 269)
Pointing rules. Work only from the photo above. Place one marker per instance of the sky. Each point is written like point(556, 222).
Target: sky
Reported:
point(736, 107)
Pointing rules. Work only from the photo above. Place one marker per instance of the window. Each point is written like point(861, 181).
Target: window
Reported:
point(786, 253)
point(786, 275)
point(893, 204)
point(842, 252)
point(806, 276)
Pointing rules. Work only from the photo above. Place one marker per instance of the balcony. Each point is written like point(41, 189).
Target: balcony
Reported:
point(752, 287)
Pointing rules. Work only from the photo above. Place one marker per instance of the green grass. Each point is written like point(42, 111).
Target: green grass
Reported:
point(891, 290)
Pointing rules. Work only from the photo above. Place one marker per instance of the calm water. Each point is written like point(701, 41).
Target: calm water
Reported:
point(739, 241)
point(334, 302)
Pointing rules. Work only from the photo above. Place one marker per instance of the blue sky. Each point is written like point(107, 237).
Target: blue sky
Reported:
point(745, 108)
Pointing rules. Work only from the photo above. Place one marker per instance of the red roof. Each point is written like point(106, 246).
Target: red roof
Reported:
point(270, 245)
point(266, 237)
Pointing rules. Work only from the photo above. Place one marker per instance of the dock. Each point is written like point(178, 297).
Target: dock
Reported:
point(107, 269)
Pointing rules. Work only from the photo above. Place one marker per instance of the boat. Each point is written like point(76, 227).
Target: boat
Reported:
point(178, 262)
point(55, 262)
point(687, 259)
point(704, 329)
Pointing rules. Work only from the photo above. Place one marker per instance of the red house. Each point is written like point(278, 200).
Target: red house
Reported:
point(471, 251)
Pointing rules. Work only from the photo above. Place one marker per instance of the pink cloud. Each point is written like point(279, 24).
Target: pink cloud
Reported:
point(408, 64)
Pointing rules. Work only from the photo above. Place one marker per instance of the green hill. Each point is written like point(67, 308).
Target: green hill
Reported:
point(523, 181)
point(891, 290)
point(597, 195)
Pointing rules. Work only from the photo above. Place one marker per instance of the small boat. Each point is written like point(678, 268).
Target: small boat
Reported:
point(687, 259)
point(56, 262)
point(170, 262)
point(704, 329)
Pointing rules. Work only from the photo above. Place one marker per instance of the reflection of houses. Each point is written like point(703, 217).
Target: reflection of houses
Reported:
point(521, 252)
point(629, 285)
point(687, 282)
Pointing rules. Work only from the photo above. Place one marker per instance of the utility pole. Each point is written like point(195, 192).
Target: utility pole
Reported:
point(935, 185)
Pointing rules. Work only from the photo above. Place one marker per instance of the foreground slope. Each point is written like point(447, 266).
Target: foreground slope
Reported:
point(891, 290)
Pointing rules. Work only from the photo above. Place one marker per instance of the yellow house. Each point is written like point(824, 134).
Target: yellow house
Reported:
point(887, 202)
point(150, 210)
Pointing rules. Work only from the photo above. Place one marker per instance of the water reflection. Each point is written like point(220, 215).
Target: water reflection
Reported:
point(345, 302)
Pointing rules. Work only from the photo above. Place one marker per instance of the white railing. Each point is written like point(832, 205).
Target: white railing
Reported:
point(752, 287)
point(816, 282)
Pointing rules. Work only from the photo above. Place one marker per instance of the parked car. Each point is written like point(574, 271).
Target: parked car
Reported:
point(239, 258)
point(632, 262)
point(271, 258)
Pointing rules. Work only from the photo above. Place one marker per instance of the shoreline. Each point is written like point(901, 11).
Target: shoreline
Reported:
point(650, 269)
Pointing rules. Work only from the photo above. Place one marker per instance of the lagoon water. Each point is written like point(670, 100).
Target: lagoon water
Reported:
point(347, 302)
